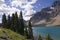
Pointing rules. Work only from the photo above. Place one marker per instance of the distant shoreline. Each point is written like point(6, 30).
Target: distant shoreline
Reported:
point(46, 26)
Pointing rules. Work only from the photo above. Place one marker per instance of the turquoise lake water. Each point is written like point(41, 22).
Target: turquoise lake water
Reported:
point(43, 31)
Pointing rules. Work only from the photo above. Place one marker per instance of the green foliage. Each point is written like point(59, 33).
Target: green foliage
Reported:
point(12, 23)
point(11, 34)
point(21, 24)
point(29, 24)
point(8, 22)
point(30, 33)
point(25, 32)
point(16, 21)
point(39, 38)
point(4, 21)
point(48, 37)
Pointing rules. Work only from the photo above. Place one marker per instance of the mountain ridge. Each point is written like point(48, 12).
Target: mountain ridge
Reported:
point(47, 16)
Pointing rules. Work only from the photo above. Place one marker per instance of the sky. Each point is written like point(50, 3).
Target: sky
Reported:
point(28, 7)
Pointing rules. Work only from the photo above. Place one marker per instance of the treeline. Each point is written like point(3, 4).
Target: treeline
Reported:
point(16, 24)
point(48, 37)
point(13, 22)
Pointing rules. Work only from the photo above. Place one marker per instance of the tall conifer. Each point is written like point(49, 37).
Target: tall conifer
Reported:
point(4, 21)
point(16, 21)
point(21, 24)
point(9, 21)
point(30, 32)
point(12, 23)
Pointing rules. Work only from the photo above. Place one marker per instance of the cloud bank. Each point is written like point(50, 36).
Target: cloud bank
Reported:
point(11, 6)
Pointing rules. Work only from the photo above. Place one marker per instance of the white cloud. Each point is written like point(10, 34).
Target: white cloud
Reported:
point(33, 1)
point(26, 5)
point(23, 4)
point(7, 10)
point(2, 1)
point(19, 3)
point(30, 12)
point(27, 18)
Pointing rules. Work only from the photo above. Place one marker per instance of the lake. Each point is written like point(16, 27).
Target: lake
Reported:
point(43, 31)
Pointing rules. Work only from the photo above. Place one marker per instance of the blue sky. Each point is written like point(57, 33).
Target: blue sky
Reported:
point(43, 4)
point(28, 7)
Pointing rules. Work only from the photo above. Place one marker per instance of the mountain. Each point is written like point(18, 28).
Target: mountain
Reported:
point(47, 16)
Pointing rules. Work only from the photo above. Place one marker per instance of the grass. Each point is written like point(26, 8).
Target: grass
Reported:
point(11, 34)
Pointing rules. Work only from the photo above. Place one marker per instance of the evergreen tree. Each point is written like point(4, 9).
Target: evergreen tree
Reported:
point(48, 37)
point(4, 21)
point(39, 38)
point(25, 32)
point(16, 21)
point(21, 24)
point(30, 33)
point(8, 22)
point(12, 22)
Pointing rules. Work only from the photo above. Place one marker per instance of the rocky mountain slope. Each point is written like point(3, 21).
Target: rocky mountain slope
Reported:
point(48, 16)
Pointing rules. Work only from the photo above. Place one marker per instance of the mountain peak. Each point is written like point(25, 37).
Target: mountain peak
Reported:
point(47, 15)
point(56, 3)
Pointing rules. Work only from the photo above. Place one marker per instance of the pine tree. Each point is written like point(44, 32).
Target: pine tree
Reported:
point(12, 22)
point(9, 22)
point(25, 32)
point(39, 38)
point(21, 24)
point(48, 37)
point(30, 33)
point(4, 21)
point(16, 21)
